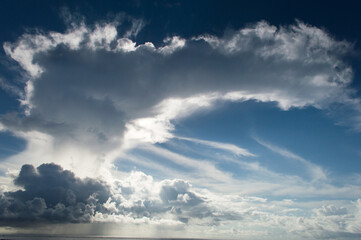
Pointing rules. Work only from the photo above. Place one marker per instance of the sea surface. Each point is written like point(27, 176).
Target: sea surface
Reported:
point(57, 237)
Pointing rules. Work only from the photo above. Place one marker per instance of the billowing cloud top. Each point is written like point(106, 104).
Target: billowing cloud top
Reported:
point(51, 195)
point(88, 83)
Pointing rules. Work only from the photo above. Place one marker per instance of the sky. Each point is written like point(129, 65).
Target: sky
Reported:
point(196, 119)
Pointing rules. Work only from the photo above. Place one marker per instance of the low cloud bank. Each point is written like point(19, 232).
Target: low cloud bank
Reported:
point(52, 195)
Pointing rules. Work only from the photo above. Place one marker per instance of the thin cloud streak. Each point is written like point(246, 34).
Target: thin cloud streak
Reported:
point(316, 171)
point(223, 146)
point(258, 180)
point(203, 167)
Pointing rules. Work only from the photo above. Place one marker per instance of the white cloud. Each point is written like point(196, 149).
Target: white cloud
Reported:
point(25, 50)
point(203, 168)
point(157, 129)
point(316, 172)
point(172, 44)
point(126, 45)
point(102, 36)
point(224, 146)
point(72, 38)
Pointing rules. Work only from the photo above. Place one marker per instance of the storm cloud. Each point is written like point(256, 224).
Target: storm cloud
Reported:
point(51, 194)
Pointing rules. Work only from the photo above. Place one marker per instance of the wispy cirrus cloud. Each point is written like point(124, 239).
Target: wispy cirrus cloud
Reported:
point(316, 172)
point(226, 172)
point(223, 146)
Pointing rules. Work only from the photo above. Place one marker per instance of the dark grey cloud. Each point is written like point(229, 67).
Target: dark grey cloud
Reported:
point(51, 195)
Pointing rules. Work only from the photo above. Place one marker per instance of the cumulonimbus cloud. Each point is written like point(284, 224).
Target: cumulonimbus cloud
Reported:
point(92, 81)
point(91, 89)
point(89, 85)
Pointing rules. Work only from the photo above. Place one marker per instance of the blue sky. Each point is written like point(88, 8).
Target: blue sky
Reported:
point(181, 119)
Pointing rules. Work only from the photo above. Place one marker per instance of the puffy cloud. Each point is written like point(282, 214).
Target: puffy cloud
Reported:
point(142, 199)
point(331, 210)
point(51, 194)
point(329, 222)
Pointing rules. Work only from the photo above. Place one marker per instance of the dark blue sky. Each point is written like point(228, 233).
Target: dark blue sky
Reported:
point(186, 18)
